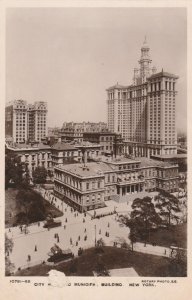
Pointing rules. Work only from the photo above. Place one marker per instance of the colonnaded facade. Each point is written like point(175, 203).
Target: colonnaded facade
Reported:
point(88, 186)
point(145, 111)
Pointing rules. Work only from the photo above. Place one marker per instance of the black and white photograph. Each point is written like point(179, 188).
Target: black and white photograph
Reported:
point(96, 142)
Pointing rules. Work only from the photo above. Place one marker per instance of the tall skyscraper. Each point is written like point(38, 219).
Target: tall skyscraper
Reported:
point(26, 122)
point(144, 112)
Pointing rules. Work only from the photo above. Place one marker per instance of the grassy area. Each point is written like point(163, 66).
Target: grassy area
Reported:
point(11, 207)
point(174, 236)
point(112, 258)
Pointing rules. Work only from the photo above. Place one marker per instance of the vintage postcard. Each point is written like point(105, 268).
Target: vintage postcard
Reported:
point(95, 149)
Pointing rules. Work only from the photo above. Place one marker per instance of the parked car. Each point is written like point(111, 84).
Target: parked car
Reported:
point(57, 254)
point(51, 223)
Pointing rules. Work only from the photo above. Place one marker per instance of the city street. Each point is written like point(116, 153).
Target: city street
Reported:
point(77, 230)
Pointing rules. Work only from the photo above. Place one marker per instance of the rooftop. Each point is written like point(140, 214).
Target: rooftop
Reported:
point(90, 169)
point(116, 86)
point(163, 74)
point(148, 162)
point(124, 272)
point(85, 144)
point(63, 146)
point(119, 160)
point(28, 146)
point(170, 156)
point(100, 133)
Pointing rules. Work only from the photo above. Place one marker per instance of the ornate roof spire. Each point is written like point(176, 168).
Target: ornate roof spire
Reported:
point(145, 46)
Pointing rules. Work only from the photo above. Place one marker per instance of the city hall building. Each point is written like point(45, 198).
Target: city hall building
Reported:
point(145, 111)
point(88, 186)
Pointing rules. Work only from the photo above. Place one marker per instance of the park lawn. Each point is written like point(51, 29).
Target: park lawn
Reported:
point(111, 258)
point(11, 209)
point(174, 236)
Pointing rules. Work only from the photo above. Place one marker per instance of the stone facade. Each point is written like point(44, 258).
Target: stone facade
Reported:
point(88, 186)
point(26, 122)
point(145, 112)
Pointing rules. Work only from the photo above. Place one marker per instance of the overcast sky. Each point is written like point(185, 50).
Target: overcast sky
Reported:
point(69, 56)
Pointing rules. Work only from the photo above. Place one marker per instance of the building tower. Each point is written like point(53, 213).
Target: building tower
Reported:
point(25, 122)
point(144, 112)
point(144, 62)
point(16, 121)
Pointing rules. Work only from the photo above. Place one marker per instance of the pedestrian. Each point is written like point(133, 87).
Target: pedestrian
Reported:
point(79, 238)
point(108, 225)
point(35, 248)
point(165, 252)
point(100, 231)
point(85, 230)
point(76, 243)
point(66, 220)
point(83, 220)
point(29, 257)
point(58, 239)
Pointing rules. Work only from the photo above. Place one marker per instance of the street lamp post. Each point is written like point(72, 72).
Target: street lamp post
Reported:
point(95, 236)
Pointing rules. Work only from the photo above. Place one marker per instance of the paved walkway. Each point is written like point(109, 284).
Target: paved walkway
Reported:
point(77, 230)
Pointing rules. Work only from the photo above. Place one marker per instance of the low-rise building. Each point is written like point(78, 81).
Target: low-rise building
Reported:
point(63, 153)
point(110, 142)
point(33, 155)
point(81, 186)
point(72, 131)
point(88, 186)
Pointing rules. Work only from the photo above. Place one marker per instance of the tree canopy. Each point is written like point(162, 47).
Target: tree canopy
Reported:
point(143, 218)
point(168, 206)
point(31, 206)
point(40, 175)
point(14, 169)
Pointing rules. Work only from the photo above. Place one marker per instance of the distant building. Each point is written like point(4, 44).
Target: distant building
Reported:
point(88, 151)
point(25, 122)
point(87, 186)
point(74, 131)
point(63, 153)
point(16, 121)
point(37, 121)
point(33, 155)
point(110, 142)
point(145, 111)
point(39, 154)
point(53, 131)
